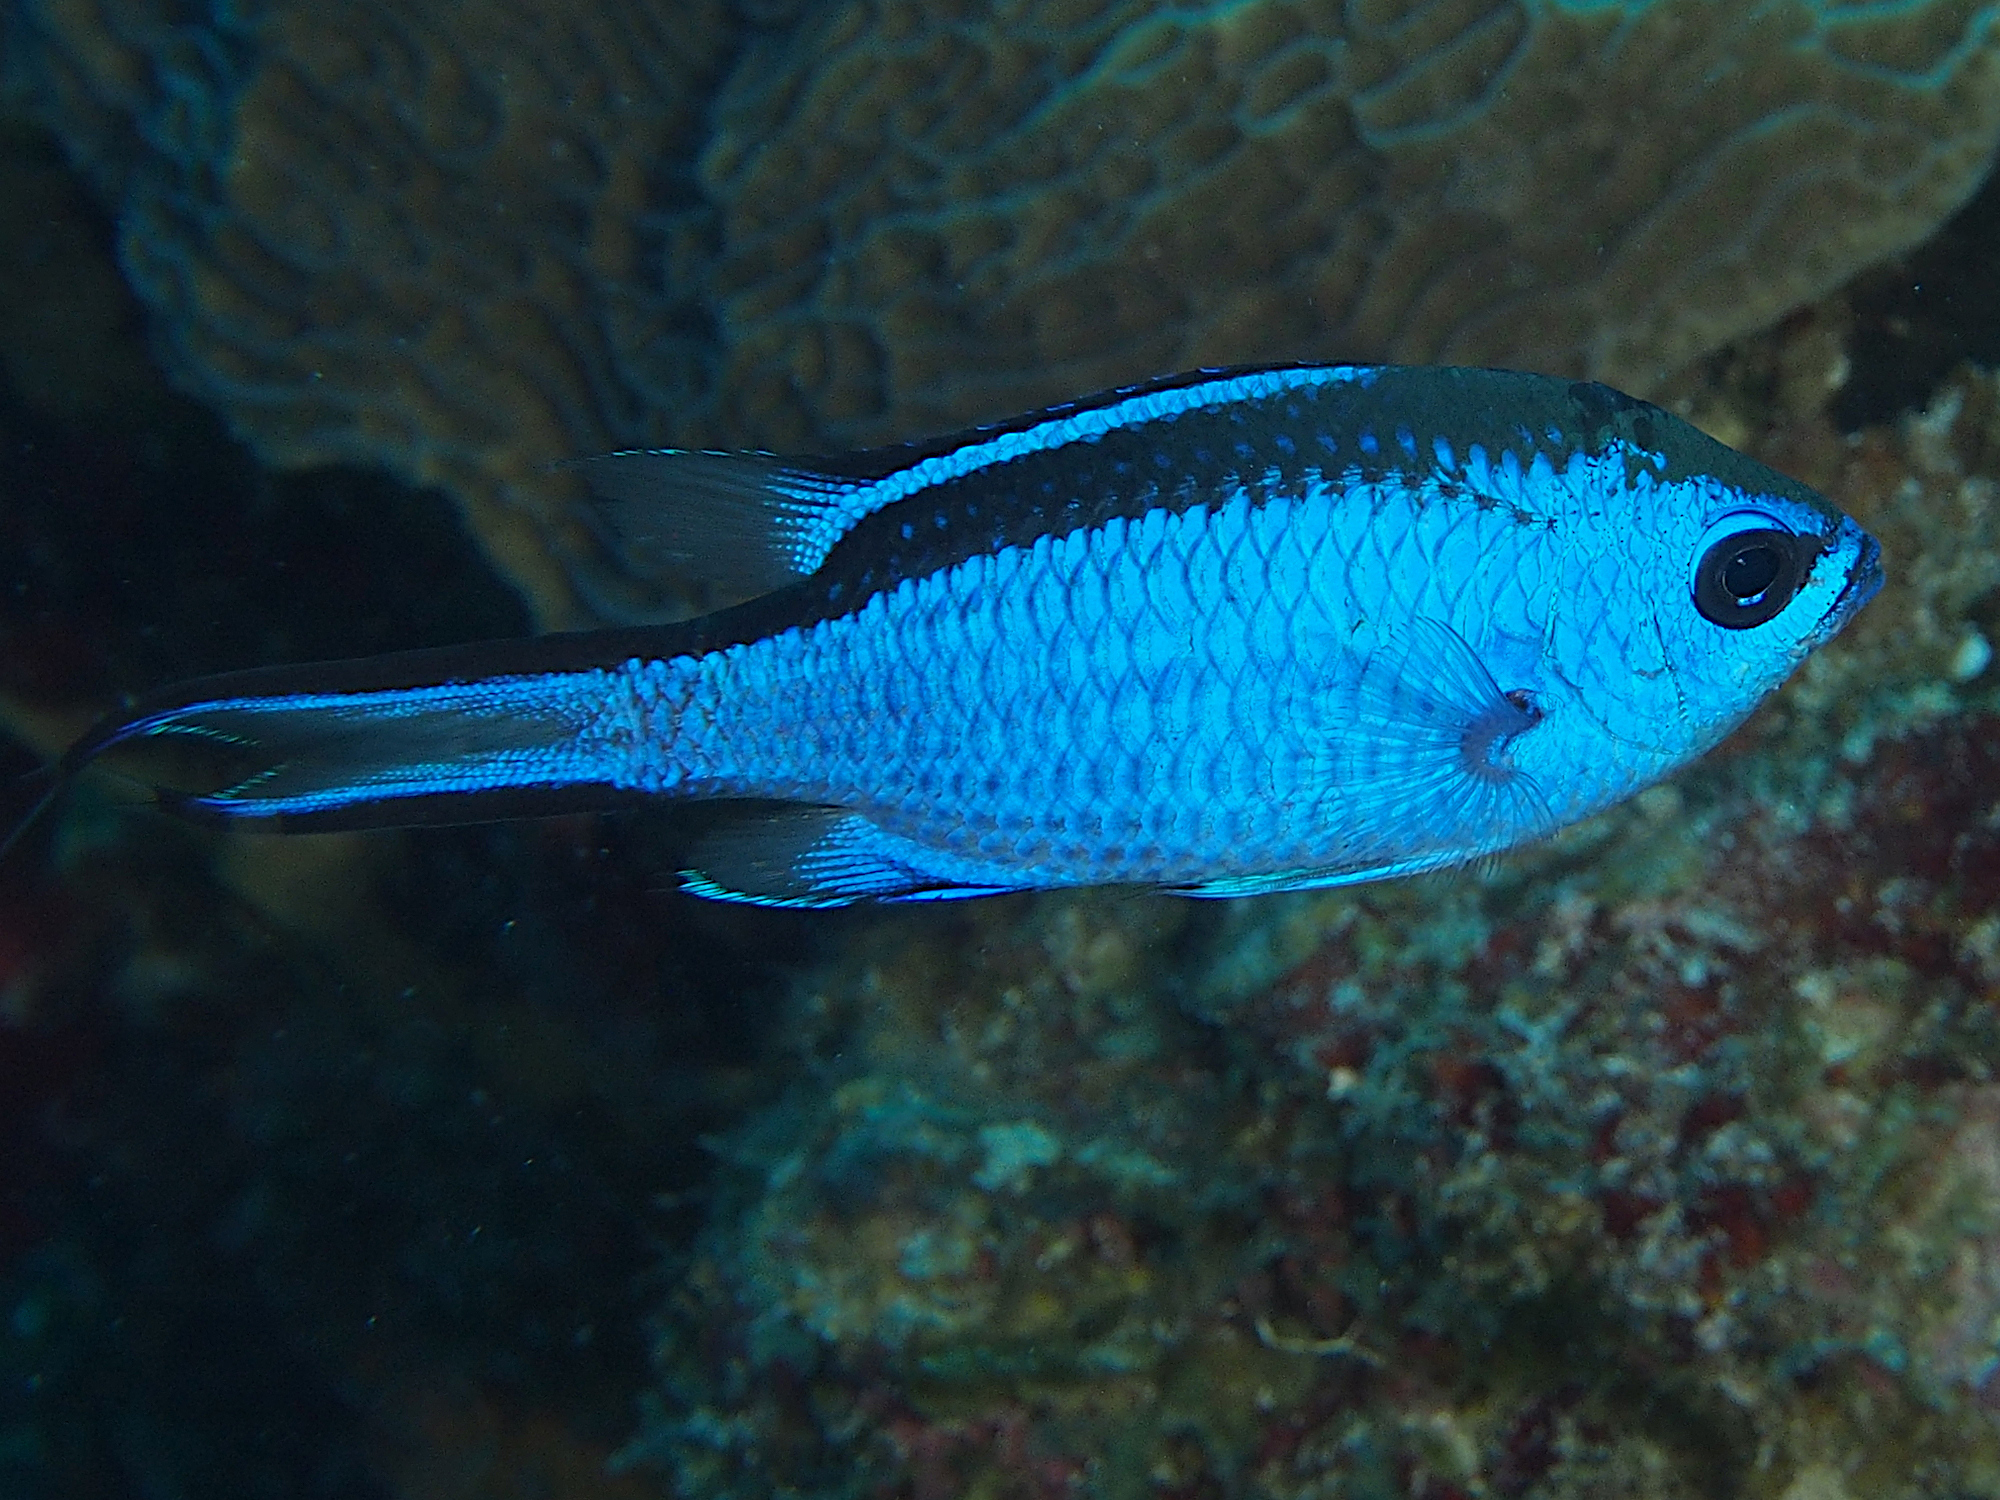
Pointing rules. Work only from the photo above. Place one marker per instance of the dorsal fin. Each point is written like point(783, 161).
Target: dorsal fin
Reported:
point(746, 522)
point(749, 523)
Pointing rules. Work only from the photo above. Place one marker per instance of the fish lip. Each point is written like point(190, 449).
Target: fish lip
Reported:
point(1864, 579)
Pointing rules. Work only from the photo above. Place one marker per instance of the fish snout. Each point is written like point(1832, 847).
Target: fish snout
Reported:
point(1864, 579)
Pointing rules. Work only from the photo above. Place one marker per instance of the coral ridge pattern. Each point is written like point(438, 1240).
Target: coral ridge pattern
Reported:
point(474, 238)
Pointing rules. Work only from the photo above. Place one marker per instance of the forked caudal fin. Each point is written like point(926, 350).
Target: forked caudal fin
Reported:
point(422, 737)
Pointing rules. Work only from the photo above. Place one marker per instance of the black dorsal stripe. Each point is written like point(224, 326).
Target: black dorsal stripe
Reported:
point(1361, 431)
point(1384, 427)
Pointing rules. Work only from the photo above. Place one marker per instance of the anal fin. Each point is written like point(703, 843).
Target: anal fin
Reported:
point(1317, 878)
point(814, 857)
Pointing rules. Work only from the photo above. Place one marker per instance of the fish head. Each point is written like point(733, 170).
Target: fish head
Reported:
point(1697, 596)
point(1681, 583)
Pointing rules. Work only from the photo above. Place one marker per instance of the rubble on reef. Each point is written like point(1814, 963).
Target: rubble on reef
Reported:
point(1659, 1160)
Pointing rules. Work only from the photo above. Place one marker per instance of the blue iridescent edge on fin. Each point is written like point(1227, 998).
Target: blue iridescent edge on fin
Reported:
point(815, 857)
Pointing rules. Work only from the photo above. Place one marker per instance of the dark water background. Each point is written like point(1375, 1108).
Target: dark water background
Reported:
point(279, 1216)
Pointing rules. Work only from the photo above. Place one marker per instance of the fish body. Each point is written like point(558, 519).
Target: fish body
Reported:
point(1233, 632)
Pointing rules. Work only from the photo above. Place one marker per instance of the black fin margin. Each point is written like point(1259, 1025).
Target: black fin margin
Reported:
point(876, 463)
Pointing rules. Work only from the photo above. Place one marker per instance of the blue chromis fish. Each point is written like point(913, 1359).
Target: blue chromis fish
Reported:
point(1231, 632)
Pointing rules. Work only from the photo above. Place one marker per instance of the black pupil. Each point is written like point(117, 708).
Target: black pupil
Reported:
point(1750, 572)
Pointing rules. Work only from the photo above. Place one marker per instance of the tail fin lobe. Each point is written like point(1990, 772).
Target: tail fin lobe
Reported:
point(422, 738)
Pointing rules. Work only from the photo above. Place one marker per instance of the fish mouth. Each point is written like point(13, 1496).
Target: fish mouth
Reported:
point(1864, 579)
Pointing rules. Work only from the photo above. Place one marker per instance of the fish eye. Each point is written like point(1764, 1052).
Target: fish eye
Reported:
point(1750, 565)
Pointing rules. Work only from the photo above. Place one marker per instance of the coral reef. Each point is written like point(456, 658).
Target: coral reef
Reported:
point(471, 238)
point(933, 214)
point(431, 236)
point(1661, 1160)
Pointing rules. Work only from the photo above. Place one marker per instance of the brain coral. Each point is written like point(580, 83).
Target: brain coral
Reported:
point(939, 212)
point(429, 235)
point(469, 237)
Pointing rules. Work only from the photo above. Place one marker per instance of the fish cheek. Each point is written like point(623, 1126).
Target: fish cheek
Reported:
point(1598, 706)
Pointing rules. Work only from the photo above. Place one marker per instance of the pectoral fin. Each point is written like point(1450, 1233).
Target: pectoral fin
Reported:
point(1419, 768)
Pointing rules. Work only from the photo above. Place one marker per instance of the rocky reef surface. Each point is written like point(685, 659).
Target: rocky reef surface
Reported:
point(1661, 1160)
